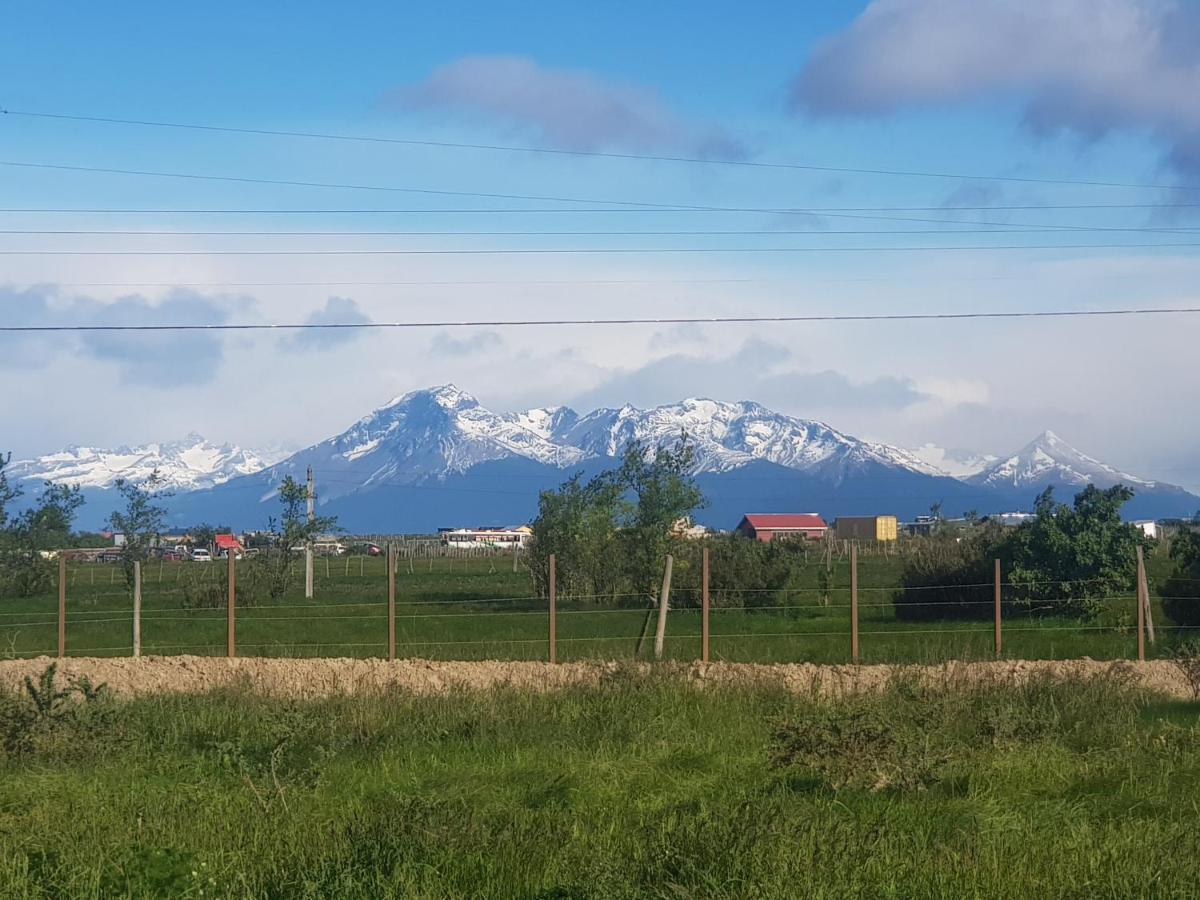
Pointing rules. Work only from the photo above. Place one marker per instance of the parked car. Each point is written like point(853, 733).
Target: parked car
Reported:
point(201, 555)
point(113, 554)
point(171, 556)
point(224, 554)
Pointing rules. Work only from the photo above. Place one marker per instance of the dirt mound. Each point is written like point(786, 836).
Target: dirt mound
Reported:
point(324, 677)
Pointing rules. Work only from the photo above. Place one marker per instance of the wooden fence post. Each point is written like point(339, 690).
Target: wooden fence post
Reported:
point(704, 605)
point(1145, 584)
point(137, 609)
point(854, 603)
point(553, 611)
point(1141, 606)
point(660, 633)
point(391, 588)
point(231, 604)
point(999, 636)
point(62, 603)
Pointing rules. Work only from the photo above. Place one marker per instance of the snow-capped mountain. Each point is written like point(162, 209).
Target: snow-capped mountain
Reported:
point(437, 457)
point(183, 465)
point(1048, 459)
point(426, 434)
point(730, 435)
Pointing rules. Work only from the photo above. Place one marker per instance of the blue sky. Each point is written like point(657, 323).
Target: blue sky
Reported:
point(1062, 89)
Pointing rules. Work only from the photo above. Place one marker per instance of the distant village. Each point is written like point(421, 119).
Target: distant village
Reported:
point(806, 526)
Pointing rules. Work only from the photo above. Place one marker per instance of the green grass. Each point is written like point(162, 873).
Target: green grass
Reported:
point(479, 608)
point(639, 787)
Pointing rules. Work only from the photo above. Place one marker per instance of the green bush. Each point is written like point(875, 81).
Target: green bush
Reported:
point(1181, 592)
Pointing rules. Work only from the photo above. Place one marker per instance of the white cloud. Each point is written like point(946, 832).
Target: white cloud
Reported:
point(563, 108)
point(1085, 66)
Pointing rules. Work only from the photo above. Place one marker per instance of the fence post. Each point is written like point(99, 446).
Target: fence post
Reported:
point(999, 636)
point(137, 609)
point(62, 604)
point(854, 603)
point(660, 633)
point(231, 604)
point(553, 600)
point(1141, 606)
point(704, 605)
point(391, 588)
point(1145, 583)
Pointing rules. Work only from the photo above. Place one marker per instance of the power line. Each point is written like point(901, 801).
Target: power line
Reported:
point(674, 320)
point(1014, 228)
point(558, 251)
point(559, 151)
point(821, 210)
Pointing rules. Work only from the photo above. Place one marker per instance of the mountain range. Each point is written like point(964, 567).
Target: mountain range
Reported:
point(436, 457)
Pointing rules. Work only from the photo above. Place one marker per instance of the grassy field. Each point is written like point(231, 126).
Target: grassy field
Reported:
point(639, 787)
point(480, 608)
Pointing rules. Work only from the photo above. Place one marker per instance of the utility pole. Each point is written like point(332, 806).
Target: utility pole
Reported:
point(308, 547)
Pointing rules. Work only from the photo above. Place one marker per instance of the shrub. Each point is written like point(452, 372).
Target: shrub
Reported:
point(1181, 592)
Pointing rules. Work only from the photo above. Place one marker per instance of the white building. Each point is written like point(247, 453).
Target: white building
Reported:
point(1148, 527)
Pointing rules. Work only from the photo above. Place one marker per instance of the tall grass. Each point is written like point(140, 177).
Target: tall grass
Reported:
point(642, 786)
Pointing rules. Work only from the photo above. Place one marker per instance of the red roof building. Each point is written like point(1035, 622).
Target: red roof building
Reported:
point(772, 526)
point(227, 542)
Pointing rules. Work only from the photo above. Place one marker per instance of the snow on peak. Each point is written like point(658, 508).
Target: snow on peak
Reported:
point(190, 463)
point(1048, 459)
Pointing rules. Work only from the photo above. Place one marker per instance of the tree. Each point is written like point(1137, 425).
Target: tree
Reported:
point(615, 530)
point(142, 520)
point(1066, 560)
point(271, 570)
point(31, 536)
point(664, 492)
point(1181, 593)
point(8, 493)
point(1071, 557)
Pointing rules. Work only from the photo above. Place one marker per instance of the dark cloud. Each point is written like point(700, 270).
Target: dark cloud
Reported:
point(444, 344)
point(757, 372)
point(563, 108)
point(156, 358)
point(1084, 66)
point(336, 311)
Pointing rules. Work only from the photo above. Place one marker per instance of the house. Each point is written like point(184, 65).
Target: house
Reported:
point(227, 542)
point(782, 526)
point(866, 528)
point(686, 528)
point(486, 536)
point(1148, 527)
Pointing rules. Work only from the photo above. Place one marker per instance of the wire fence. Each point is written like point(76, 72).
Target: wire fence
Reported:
point(475, 609)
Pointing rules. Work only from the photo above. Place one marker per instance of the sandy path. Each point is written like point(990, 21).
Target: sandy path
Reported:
point(323, 677)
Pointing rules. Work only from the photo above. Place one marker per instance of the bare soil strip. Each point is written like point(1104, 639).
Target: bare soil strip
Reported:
point(328, 677)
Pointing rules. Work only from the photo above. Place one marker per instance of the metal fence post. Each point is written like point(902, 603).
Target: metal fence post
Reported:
point(854, 603)
point(62, 603)
point(704, 605)
point(553, 611)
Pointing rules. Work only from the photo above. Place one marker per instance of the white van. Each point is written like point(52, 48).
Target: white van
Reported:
point(201, 555)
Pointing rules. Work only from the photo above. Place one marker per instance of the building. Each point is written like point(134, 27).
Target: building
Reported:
point(686, 528)
point(486, 536)
point(1148, 527)
point(781, 526)
point(866, 528)
point(228, 542)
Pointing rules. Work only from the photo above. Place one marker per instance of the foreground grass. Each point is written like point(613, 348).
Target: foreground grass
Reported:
point(642, 786)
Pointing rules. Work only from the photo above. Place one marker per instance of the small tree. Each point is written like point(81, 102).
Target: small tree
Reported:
point(141, 522)
point(43, 528)
point(1181, 593)
point(664, 492)
point(271, 571)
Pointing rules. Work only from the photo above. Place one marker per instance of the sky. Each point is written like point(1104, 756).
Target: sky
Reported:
point(1086, 106)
